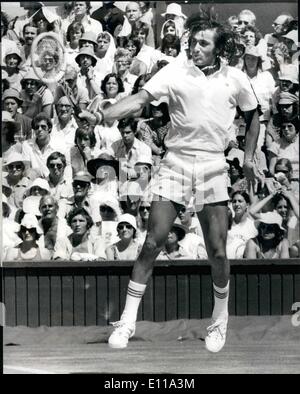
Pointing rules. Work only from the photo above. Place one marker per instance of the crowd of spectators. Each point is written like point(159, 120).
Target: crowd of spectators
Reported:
point(75, 192)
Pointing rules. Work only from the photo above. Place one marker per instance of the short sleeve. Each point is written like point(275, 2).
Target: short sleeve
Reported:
point(158, 86)
point(47, 98)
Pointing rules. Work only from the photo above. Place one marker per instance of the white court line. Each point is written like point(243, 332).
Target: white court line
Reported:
point(34, 371)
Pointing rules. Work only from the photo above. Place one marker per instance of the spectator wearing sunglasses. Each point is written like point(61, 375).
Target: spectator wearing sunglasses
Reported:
point(245, 18)
point(36, 96)
point(39, 148)
point(80, 196)
point(16, 166)
point(60, 187)
point(127, 248)
point(270, 242)
point(29, 249)
point(143, 219)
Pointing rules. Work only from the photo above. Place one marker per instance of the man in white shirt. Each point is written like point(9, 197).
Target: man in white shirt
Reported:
point(203, 94)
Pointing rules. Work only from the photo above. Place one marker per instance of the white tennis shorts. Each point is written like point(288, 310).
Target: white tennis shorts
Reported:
point(192, 180)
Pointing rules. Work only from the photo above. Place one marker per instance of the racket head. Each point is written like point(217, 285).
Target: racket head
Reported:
point(51, 64)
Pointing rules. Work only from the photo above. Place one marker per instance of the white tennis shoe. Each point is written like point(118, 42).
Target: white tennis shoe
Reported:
point(123, 331)
point(216, 336)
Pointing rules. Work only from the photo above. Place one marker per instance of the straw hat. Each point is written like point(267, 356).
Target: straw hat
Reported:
point(82, 176)
point(12, 93)
point(31, 205)
point(15, 157)
point(289, 72)
point(13, 51)
point(89, 36)
point(41, 183)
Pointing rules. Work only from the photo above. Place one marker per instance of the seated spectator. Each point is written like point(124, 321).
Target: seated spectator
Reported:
point(6, 42)
point(10, 238)
point(286, 110)
point(237, 180)
point(270, 242)
point(80, 197)
point(127, 248)
point(74, 33)
point(252, 37)
point(84, 150)
point(39, 187)
point(286, 147)
point(174, 13)
point(12, 63)
point(295, 250)
point(171, 46)
point(78, 245)
point(54, 228)
point(279, 25)
point(29, 247)
point(233, 22)
point(16, 166)
point(46, 21)
point(283, 174)
point(140, 32)
point(112, 86)
point(105, 171)
point(122, 63)
point(288, 83)
point(144, 113)
point(88, 78)
point(169, 30)
point(280, 57)
point(36, 96)
point(60, 184)
point(105, 53)
point(29, 33)
point(64, 126)
point(133, 17)
point(131, 196)
point(172, 249)
point(245, 18)
point(143, 219)
point(12, 103)
point(39, 148)
point(153, 131)
point(107, 133)
point(193, 242)
point(106, 213)
point(77, 93)
point(88, 40)
point(143, 169)
point(110, 16)
point(10, 132)
point(129, 148)
point(81, 11)
point(242, 227)
point(263, 85)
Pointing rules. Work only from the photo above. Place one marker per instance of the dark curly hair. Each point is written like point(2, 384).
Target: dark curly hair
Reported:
point(128, 122)
point(80, 211)
point(119, 82)
point(225, 40)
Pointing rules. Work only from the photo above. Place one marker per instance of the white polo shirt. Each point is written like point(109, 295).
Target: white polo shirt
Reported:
point(202, 109)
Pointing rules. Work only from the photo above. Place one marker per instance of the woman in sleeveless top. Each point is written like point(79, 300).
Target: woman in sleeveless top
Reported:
point(127, 248)
point(270, 242)
point(29, 248)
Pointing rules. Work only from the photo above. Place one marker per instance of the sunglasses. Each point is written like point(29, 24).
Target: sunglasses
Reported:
point(18, 167)
point(54, 165)
point(80, 184)
point(243, 23)
point(270, 227)
point(43, 127)
point(60, 106)
point(141, 209)
point(30, 230)
point(105, 208)
point(124, 226)
point(30, 83)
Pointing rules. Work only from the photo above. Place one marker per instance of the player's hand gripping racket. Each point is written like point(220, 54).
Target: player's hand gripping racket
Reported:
point(49, 64)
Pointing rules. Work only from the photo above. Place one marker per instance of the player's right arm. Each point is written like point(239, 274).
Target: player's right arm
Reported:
point(123, 109)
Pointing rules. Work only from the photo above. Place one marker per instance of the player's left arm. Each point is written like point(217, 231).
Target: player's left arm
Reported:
point(252, 132)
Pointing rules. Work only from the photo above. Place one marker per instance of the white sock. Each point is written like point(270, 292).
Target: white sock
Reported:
point(135, 293)
point(221, 296)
